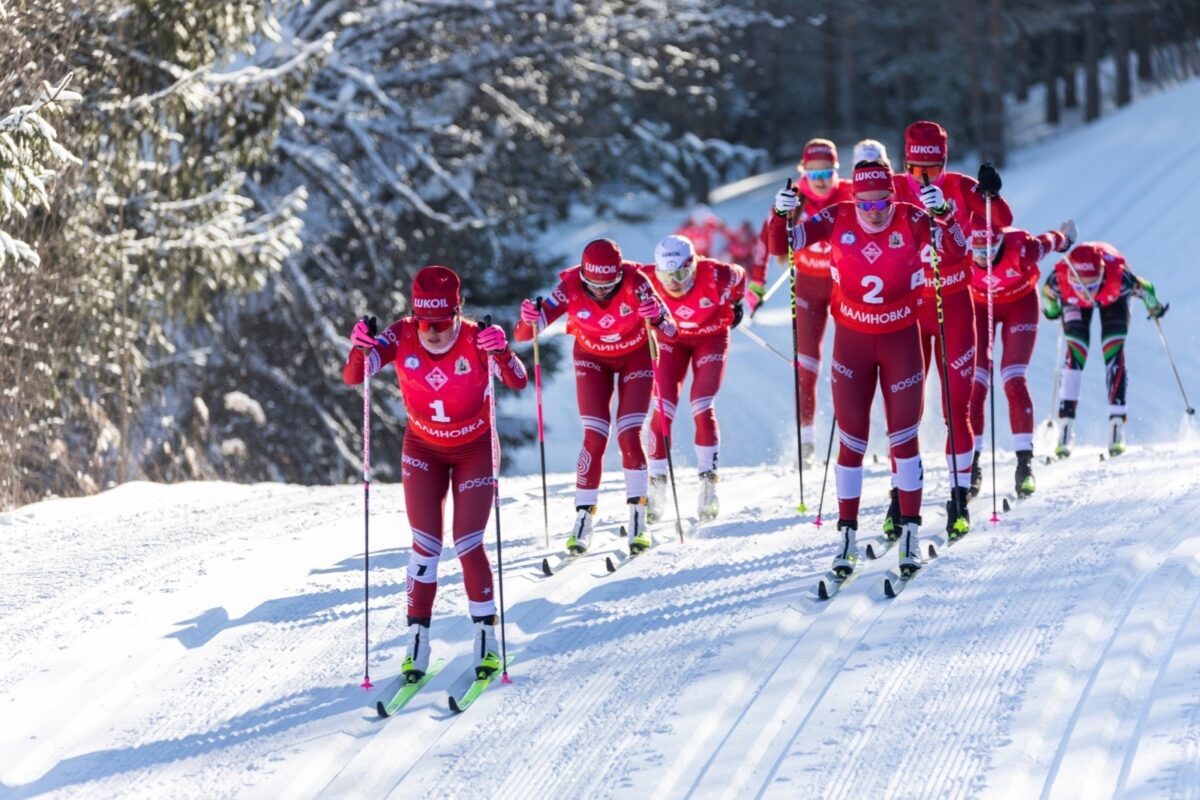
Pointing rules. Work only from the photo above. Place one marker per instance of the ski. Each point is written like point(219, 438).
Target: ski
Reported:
point(894, 584)
point(614, 561)
point(831, 584)
point(880, 545)
point(468, 687)
point(400, 691)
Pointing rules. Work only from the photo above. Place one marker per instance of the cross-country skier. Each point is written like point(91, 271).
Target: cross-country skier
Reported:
point(608, 303)
point(1014, 277)
point(819, 188)
point(705, 299)
point(876, 247)
point(929, 184)
point(704, 227)
point(871, 150)
point(442, 360)
point(1094, 275)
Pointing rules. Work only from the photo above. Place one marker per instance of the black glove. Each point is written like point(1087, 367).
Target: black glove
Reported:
point(372, 325)
point(737, 315)
point(1153, 312)
point(989, 180)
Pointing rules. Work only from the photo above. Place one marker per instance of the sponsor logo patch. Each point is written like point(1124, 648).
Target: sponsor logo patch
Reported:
point(625, 310)
point(436, 378)
point(848, 238)
point(412, 362)
point(705, 302)
point(462, 366)
point(584, 314)
point(872, 252)
point(685, 312)
point(895, 241)
point(607, 321)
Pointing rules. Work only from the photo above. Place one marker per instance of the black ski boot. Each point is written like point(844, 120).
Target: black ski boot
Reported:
point(976, 475)
point(958, 526)
point(1026, 485)
point(892, 522)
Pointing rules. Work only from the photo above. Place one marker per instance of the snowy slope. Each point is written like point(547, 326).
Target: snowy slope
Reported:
point(206, 640)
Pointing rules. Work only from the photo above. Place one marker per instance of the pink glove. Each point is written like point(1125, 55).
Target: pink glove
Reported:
point(361, 335)
point(492, 339)
point(753, 297)
point(530, 313)
point(650, 309)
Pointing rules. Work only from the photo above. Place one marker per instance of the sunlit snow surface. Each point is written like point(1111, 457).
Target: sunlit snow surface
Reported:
point(206, 640)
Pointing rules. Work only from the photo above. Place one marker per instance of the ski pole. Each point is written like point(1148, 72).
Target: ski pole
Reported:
point(495, 433)
point(774, 288)
point(935, 263)
point(1163, 339)
point(537, 385)
point(791, 272)
point(825, 479)
point(664, 426)
point(366, 460)
point(1058, 359)
point(991, 323)
point(763, 343)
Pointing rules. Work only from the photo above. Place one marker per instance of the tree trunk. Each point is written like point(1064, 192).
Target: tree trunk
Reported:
point(1141, 43)
point(1070, 56)
point(1120, 21)
point(1091, 66)
point(1051, 67)
point(829, 62)
point(846, 72)
point(978, 129)
point(996, 49)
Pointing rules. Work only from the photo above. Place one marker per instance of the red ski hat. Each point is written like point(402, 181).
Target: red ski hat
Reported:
point(872, 177)
point(435, 293)
point(926, 142)
point(601, 263)
point(819, 150)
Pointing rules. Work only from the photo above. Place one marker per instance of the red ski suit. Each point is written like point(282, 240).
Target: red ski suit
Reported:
point(814, 290)
point(879, 276)
point(703, 316)
point(611, 344)
point(967, 208)
point(447, 449)
point(1014, 278)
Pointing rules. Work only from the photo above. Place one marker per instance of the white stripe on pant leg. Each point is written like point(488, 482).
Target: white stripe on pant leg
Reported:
point(658, 466)
point(466, 544)
point(900, 437)
point(596, 424)
point(629, 421)
point(421, 568)
point(981, 376)
point(706, 457)
point(1012, 372)
point(1022, 441)
point(636, 482)
point(963, 476)
point(1072, 380)
point(851, 443)
point(702, 404)
point(979, 443)
point(808, 363)
point(427, 541)
point(849, 482)
point(909, 476)
point(808, 434)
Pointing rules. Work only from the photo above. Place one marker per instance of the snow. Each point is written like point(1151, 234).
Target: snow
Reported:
point(206, 639)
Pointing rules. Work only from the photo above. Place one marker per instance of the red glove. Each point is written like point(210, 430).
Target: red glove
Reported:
point(492, 339)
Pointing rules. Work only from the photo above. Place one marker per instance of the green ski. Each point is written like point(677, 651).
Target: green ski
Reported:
point(468, 687)
point(401, 691)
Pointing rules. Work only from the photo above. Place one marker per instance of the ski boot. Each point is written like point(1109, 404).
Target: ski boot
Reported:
point(657, 499)
point(639, 530)
point(910, 546)
point(891, 523)
point(976, 475)
point(1066, 434)
point(416, 656)
point(958, 526)
point(708, 506)
point(581, 535)
point(1116, 438)
point(1026, 485)
point(846, 559)
point(486, 647)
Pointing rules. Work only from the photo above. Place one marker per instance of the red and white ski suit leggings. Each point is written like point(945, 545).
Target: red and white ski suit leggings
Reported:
point(594, 380)
point(960, 351)
point(1019, 322)
point(893, 360)
point(706, 356)
point(465, 471)
point(812, 314)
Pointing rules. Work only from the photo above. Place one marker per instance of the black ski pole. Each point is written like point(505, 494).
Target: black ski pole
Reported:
point(495, 434)
point(1163, 339)
point(664, 423)
point(791, 266)
point(987, 206)
point(366, 461)
point(825, 478)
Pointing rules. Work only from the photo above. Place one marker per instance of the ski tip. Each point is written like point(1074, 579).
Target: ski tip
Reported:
point(623, 531)
point(609, 565)
point(932, 550)
point(546, 570)
point(1102, 456)
point(381, 710)
point(454, 706)
point(822, 590)
point(1007, 506)
point(889, 588)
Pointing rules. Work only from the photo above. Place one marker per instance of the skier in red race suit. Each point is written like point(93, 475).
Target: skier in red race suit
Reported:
point(949, 194)
point(1013, 277)
point(703, 227)
point(705, 299)
point(877, 268)
point(442, 360)
point(608, 303)
point(1094, 275)
point(819, 188)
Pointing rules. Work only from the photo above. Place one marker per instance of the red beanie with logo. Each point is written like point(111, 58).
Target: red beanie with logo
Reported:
point(435, 293)
point(601, 263)
point(872, 178)
point(819, 150)
point(926, 142)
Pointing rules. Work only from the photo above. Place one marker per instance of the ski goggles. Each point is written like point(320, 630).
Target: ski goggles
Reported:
point(931, 171)
point(874, 205)
point(981, 252)
point(679, 275)
point(600, 287)
point(819, 174)
point(435, 325)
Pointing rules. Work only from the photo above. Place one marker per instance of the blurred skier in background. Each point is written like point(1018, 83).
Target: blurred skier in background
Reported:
point(704, 228)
